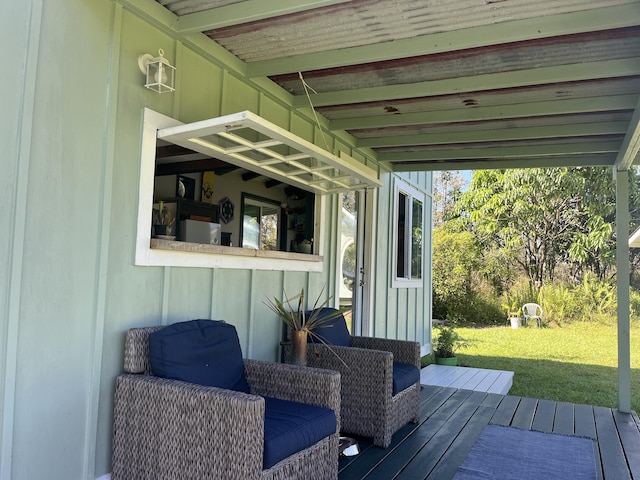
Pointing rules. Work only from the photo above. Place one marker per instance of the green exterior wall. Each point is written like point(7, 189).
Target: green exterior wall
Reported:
point(72, 101)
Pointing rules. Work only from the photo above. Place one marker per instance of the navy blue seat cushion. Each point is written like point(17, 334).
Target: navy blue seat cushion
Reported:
point(205, 352)
point(290, 427)
point(404, 375)
point(334, 331)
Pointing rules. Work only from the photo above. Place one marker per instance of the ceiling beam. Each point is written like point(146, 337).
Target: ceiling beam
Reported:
point(631, 143)
point(475, 83)
point(500, 112)
point(503, 134)
point(192, 166)
point(170, 150)
point(488, 164)
point(245, 12)
point(272, 183)
point(507, 32)
point(247, 176)
point(496, 152)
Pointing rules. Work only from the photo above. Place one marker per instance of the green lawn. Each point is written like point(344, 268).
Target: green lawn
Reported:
point(575, 363)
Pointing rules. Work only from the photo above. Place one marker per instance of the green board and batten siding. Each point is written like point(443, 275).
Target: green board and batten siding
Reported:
point(72, 101)
point(398, 312)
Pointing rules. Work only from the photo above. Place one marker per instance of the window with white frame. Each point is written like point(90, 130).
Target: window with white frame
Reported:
point(249, 142)
point(408, 222)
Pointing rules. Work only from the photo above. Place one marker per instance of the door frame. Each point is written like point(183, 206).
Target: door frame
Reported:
point(365, 247)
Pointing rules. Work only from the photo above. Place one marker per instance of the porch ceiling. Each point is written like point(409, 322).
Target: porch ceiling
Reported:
point(448, 84)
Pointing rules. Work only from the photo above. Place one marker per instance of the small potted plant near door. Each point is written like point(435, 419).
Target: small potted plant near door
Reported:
point(446, 344)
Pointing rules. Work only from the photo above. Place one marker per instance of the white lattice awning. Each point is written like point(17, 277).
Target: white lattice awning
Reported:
point(251, 142)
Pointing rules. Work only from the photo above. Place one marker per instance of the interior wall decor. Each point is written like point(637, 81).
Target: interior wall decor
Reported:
point(226, 210)
point(207, 186)
point(186, 187)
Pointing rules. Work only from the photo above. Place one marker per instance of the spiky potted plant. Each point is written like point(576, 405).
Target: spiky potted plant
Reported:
point(300, 324)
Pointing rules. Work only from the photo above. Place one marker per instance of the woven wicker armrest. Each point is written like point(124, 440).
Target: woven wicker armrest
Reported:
point(312, 386)
point(172, 424)
point(404, 351)
point(347, 358)
point(372, 368)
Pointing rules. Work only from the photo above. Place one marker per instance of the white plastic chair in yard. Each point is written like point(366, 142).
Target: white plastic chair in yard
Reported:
point(532, 311)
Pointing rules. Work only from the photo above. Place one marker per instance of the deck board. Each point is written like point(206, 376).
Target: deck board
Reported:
point(478, 379)
point(523, 417)
point(564, 420)
point(451, 420)
point(544, 416)
point(613, 460)
point(630, 438)
point(505, 411)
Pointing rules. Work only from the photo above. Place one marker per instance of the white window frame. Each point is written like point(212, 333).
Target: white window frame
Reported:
point(216, 256)
point(411, 193)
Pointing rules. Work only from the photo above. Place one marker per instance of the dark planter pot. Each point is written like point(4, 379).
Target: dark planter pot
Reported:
point(452, 361)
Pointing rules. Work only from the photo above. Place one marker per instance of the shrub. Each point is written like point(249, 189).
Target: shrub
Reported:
point(634, 304)
point(558, 304)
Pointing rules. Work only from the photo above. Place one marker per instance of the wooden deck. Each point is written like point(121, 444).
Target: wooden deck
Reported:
point(452, 419)
point(478, 379)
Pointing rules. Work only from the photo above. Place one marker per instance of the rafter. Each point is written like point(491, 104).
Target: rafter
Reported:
point(485, 152)
point(523, 110)
point(486, 164)
point(501, 33)
point(245, 12)
point(475, 83)
point(503, 134)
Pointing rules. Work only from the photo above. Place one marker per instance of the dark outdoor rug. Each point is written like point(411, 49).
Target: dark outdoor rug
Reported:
point(507, 453)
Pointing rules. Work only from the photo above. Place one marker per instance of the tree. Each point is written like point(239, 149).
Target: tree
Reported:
point(447, 186)
point(455, 257)
point(545, 217)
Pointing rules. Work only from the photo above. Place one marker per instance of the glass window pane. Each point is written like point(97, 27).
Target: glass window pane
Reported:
point(251, 227)
point(401, 237)
point(269, 229)
point(416, 240)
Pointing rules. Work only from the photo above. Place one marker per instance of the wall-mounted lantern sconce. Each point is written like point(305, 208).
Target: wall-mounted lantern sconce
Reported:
point(160, 74)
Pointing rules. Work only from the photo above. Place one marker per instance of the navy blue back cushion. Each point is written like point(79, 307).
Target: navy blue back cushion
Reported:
point(404, 375)
point(334, 331)
point(205, 352)
point(290, 427)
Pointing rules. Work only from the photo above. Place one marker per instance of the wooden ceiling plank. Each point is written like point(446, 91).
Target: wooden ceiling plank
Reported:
point(245, 12)
point(504, 134)
point(476, 83)
point(501, 112)
point(631, 144)
point(520, 30)
point(502, 151)
point(487, 164)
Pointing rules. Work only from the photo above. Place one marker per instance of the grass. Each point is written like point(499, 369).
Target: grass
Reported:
point(575, 363)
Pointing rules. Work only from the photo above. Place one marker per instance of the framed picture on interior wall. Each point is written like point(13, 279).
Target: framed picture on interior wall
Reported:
point(207, 186)
point(186, 187)
point(226, 210)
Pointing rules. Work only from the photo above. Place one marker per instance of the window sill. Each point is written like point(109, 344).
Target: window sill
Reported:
point(185, 254)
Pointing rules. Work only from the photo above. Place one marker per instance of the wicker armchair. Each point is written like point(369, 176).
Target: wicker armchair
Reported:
point(168, 429)
point(369, 407)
